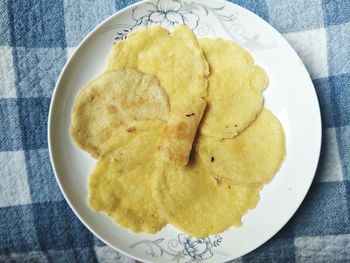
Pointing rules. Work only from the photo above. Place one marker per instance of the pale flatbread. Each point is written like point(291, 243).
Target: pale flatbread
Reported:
point(178, 63)
point(235, 86)
point(110, 102)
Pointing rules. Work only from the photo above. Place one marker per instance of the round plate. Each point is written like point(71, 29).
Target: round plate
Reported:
point(290, 96)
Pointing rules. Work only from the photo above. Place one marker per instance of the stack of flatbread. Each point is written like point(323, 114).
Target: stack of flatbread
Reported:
point(179, 131)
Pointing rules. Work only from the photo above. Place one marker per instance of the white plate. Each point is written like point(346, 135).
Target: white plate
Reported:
point(290, 95)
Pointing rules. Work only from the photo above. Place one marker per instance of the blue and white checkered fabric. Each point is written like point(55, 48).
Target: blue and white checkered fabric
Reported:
point(36, 37)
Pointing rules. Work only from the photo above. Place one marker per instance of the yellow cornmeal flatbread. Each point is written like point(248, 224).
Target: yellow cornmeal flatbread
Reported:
point(235, 86)
point(254, 156)
point(110, 102)
point(142, 178)
point(176, 60)
point(178, 63)
point(177, 140)
point(120, 182)
point(214, 191)
point(192, 200)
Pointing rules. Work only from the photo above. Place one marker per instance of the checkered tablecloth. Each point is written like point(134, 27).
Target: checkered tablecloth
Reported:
point(37, 36)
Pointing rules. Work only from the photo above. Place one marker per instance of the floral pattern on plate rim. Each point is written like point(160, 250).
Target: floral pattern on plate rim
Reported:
point(169, 13)
point(183, 248)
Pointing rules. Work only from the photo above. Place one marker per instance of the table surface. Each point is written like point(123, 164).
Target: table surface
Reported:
point(37, 37)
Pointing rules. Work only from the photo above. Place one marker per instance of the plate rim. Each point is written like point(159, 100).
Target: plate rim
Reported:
point(54, 99)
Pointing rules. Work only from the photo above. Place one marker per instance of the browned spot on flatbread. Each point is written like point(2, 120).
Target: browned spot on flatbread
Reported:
point(177, 140)
point(180, 131)
point(131, 129)
point(112, 109)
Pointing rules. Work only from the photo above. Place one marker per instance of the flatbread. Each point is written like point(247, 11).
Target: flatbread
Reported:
point(178, 63)
point(223, 179)
point(193, 201)
point(120, 182)
point(177, 140)
point(110, 102)
point(235, 86)
point(176, 60)
point(142, 133)
point(252, 157)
